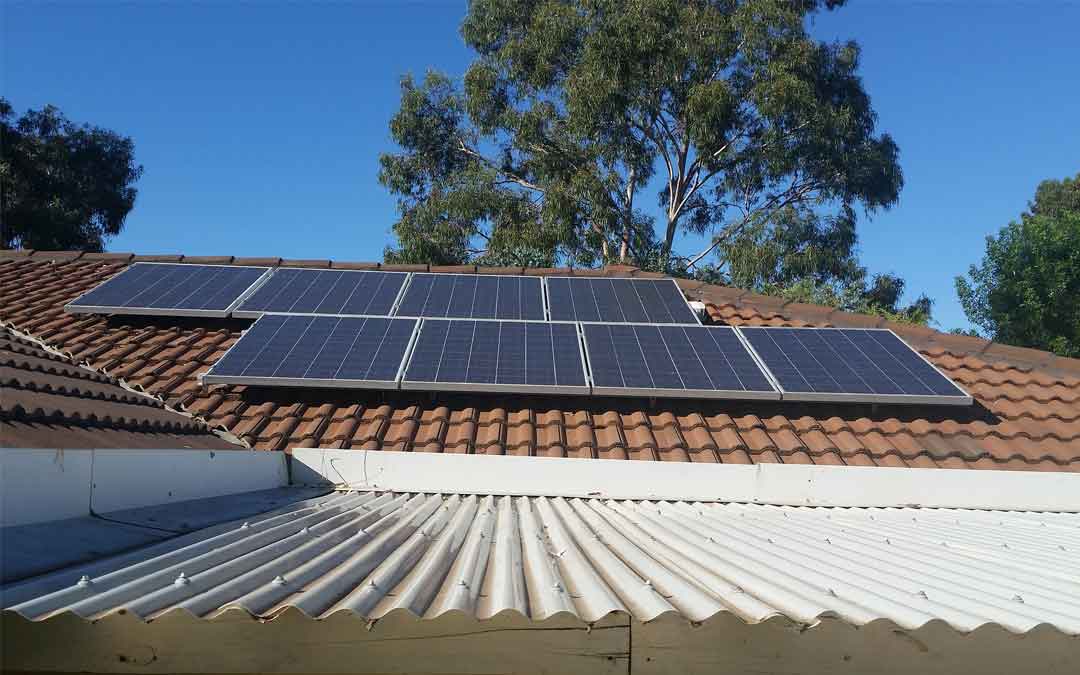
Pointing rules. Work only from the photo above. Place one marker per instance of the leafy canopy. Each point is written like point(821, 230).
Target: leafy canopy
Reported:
point(63, 186)
point(574, 108)
point(1026, 290)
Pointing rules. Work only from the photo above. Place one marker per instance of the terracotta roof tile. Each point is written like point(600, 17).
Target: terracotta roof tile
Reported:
point(41, 390)
point(1027, 416)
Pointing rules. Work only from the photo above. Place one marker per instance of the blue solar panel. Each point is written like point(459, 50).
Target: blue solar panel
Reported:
point(333, 292)
point(617, 300)
point(310, 351)
point(673, 361)
point(473, 296)
point(488, 356)
point(848, 364)
point(170, 288)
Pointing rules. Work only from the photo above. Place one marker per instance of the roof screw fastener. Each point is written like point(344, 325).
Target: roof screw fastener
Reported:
point(557, 587)
point(922, 594)
point(771, 540)
point(305, 530)
point(463, 584)
point(1018, 598)
point(831, 592)
point(828, 541)
point(279, 580)
point(182, 580)
point(84, 581)
point(245, 525)
point(887, 541)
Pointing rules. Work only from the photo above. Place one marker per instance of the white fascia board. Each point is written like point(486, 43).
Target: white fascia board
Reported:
point(684, 481)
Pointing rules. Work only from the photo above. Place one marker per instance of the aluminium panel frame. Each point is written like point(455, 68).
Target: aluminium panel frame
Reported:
point(208, 377)
point(423, 385)
point(686, 301)
point(657, 392)
point(256, 313)
point(963, 399)
point(116, 310)
point(413, 275)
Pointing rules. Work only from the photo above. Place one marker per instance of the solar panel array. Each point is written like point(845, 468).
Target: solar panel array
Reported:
point(847, 364)
point(317, 350)
point(521, 356)
point(170, 288)
point(617, 300)
point(683, 361)
point(331, 292)
point(491, 333)
point(473, 296)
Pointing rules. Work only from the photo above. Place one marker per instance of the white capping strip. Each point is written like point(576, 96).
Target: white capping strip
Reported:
point(760, 483)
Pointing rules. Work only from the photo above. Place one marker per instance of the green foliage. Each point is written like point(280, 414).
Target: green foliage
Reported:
point(807, 257)
point(1026, 290)
point(63, 186)
point(573, 107)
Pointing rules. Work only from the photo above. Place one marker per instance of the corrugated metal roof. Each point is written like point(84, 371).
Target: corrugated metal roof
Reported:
point(374, 553)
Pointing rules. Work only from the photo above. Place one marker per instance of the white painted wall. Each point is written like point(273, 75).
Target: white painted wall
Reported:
point(42, 485)
point(760, 483)
point(39, 485)
point(125, 479)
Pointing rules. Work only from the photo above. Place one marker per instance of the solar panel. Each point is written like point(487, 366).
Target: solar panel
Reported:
point(848, 364)
point(307, 351)
point(617, 300)
point(473, 296)
point(333, 292)
point(489, 356)
point(176, 289)
point(673, 361)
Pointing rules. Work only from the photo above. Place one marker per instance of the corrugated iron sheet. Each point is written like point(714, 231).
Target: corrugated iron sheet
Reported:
point(374, 553)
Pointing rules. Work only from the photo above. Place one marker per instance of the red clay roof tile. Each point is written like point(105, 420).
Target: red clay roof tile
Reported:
point(1028, 415)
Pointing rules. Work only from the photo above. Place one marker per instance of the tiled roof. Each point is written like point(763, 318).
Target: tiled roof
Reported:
point(1027, 414)
point(372, 554)
point(46, 401)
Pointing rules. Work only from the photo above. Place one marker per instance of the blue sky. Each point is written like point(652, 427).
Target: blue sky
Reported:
point(260, 124)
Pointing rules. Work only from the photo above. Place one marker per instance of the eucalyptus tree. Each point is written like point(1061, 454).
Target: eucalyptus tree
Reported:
point(576, 114)
point(1025, 290)
point(62, 185)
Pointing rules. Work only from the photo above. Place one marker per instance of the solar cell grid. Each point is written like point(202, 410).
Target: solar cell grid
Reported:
point(170, 289)
point(327, 292)
point(673, 361)
point(283, 350)
point(473, 296)
point(476, 355)
point(844, 364)
point(656, 301)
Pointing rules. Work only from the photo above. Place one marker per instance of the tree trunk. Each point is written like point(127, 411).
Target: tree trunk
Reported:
point(669, 237)
point(628, 226)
